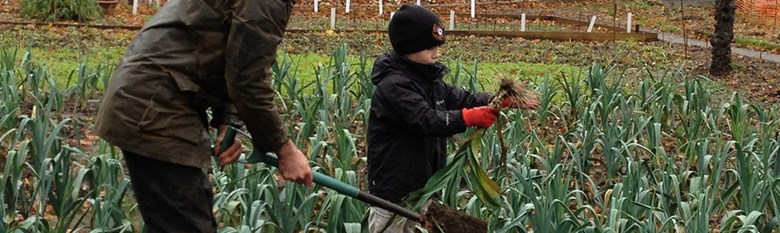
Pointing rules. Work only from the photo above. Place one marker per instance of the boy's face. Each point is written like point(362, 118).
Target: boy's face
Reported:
point(427, 56)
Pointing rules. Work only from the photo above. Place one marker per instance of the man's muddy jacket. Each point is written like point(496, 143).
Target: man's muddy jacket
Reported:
point(413, 111)
point(196, 55)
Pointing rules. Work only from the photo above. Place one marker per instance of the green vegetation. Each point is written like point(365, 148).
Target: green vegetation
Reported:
point(622, 6)
point(750, 41)
point(623, 142)
point(757, 42)
point(52, 10)
point(606, 152)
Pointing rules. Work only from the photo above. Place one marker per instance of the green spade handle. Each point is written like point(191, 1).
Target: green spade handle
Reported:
point(325, 180)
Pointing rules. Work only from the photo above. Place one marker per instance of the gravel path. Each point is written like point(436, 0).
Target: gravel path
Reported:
point(672, 38)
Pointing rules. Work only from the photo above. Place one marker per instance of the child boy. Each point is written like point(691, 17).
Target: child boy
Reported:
point(412, 112)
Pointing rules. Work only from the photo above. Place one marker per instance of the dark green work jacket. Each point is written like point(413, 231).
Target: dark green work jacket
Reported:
point(192, 57)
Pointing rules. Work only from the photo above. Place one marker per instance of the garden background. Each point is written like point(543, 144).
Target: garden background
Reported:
point(631, 136)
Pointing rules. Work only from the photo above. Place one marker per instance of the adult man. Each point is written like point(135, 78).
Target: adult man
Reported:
point(192, 58)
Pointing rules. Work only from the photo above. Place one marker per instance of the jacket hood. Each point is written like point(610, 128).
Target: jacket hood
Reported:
point(391, 63)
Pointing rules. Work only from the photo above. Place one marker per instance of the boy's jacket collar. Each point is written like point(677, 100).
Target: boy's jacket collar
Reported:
point(393, 64)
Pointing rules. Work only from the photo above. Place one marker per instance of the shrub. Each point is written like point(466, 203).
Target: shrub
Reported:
point(51, 10)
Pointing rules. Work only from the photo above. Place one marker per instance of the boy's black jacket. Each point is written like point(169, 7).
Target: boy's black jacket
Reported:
point(412, 112)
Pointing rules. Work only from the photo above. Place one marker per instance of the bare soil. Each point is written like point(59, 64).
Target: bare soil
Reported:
point(440, 218)
point(755, 78)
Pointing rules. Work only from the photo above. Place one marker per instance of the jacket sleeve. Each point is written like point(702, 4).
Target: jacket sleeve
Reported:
point(256, 29)
point(408, 106)
point(459, 98)
point(225, 114)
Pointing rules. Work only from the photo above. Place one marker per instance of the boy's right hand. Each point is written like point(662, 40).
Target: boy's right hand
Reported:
point(482, 117)
point(293, 164)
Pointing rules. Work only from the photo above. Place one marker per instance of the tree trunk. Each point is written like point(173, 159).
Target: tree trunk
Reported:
point(721, 40)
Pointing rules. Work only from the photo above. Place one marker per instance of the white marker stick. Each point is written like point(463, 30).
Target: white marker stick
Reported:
point(592, 22)
point(332, 18)
point(472, 8)
point(522, 22)
point(452, 20)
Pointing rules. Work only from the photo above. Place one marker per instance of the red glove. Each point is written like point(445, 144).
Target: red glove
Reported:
point(481, 117)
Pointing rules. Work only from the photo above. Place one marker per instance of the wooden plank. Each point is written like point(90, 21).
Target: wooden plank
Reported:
point(99, 26)
point(555, 36)
point(565, 36)
point(557, 19)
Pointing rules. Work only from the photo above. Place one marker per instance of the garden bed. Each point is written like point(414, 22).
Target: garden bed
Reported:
point(643, 139)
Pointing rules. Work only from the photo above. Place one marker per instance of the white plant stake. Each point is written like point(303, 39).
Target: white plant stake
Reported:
point(135, 7)
point(452, 20)
point(522, 22)
point(381, 10)
point(418, 2)
point(347, 6)
point(628, 23)
point(332, 18)
point(316, 6)
point(592, 22)
point(472, 8)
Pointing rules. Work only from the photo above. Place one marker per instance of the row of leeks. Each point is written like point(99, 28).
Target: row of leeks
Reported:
point(50, 183)
point(605, 152)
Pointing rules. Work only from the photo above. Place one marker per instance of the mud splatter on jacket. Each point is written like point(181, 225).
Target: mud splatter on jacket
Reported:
point(196, 55)
point(413, 111)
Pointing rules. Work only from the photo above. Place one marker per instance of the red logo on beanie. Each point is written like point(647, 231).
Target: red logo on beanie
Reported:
point(438, 31)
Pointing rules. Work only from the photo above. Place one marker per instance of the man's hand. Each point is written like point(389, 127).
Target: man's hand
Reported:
point(229, 155)
point(293, 164)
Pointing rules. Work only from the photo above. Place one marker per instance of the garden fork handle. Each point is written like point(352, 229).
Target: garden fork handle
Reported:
point(326, 181)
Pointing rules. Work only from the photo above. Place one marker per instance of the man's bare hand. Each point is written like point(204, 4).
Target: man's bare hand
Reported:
point(230, 154)
point(293, 164)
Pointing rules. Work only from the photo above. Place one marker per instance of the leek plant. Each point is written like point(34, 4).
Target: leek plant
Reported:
point(547, 92)
point(11, 98)
point(14, 196)
point(86, 83)
point(107, 195)
point(9, 108)
point(571, 87)
point(63, 187)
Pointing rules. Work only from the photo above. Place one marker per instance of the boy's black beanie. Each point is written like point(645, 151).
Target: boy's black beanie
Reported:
point(414, 28)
